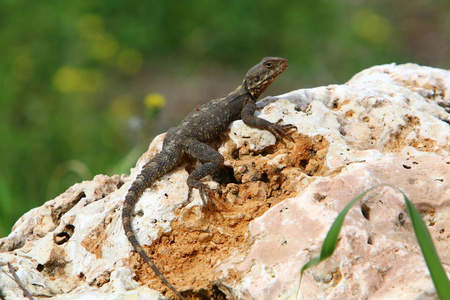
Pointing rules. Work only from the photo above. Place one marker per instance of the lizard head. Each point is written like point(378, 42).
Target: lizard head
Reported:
point(263, 74)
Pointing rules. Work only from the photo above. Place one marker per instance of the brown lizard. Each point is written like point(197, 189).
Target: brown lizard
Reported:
point(201, 126)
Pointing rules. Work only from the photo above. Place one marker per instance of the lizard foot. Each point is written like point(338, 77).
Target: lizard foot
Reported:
point(205, 194)
point(281, 131)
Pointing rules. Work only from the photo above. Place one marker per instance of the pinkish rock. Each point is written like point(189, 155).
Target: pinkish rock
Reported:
point(388, 124)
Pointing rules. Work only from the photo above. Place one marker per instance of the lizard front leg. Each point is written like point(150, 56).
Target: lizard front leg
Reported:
point(211, 161)
point(279, 131)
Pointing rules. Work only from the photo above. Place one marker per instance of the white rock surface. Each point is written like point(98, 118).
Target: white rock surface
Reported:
point(388, 124)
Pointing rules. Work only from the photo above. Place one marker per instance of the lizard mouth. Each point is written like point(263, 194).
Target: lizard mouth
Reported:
point(284, 65)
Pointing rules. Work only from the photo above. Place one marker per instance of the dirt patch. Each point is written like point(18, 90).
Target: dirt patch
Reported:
point(95, 240)
point(56, 266)
point(200, 240)
point(401, 139)
point(434, 90)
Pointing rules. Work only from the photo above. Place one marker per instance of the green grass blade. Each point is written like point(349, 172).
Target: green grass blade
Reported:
point(437, 272)
point(331, 239)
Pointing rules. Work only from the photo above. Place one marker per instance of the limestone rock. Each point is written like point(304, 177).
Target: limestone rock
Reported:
point(388, 124)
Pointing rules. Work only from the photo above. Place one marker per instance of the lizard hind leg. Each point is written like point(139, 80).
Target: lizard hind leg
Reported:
point(211, 161)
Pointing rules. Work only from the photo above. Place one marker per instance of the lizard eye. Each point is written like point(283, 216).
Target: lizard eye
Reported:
point(268, 64)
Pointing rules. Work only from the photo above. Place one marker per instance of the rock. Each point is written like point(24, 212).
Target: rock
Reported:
point(388, 124)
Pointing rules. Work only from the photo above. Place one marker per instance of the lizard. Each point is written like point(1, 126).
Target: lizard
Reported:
point(191, 139)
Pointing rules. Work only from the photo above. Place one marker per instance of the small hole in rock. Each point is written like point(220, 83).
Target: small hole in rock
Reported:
point(319, 197)
point(365, 210)
point(335, 103)
point(69, 228)
point(401, 219)
point(40, 267)
point(264, 177)
point(303, 163)
point(64, 236)
point(61, 238)
point(224, 175)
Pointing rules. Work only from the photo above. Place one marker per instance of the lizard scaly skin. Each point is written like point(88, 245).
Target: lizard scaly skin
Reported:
point(201, 126)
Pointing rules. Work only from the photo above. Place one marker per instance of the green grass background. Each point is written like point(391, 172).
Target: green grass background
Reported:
point(84, 84)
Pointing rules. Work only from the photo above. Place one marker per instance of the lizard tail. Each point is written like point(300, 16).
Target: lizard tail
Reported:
point(151, 171)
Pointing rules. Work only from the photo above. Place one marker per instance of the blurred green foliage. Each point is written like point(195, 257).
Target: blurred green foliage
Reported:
point(67, 109)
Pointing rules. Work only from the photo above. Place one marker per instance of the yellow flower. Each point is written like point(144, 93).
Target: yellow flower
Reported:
point(154, 100)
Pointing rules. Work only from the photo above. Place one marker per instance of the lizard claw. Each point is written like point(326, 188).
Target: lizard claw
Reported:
point(281, 131)
point(205, 194)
